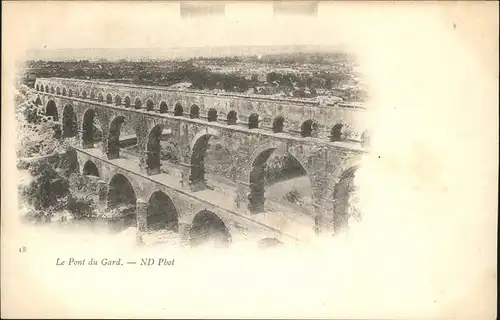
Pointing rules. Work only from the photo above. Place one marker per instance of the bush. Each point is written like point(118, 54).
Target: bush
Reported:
point(81, 207)
point(169, 150)
point(84, 183)
point(47, 187)
point(48, 190)
point(48, 193)
point(33, 114)
point(32, 215)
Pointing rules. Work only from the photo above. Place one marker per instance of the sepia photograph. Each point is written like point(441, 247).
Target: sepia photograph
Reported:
point(280, 159)
point(208, 148)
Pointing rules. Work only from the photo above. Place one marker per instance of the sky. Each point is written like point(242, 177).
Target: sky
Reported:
point(49, 27)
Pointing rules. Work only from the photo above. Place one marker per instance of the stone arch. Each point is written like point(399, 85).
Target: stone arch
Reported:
point(336, 133)
point(51, 110)
point(201, 134)
point(70, 126)
point(91, 129)
point(253, 121)
point(232, 117)
point(278, 124)
point(150, 105)
point(178, 110)
point(70, 93)
point(114, 137)
point(163, 107)
point(52, 89)
point(100, 97)
point(341, 196)
point(162, 213)
point(268, 242)
point(212, 115)
point(47, 88)
point(38, 101)
point(137, 103)
point(118, 100)
point(58, 91)
point(198, 147)
point(153, 150)
point(126, 102)
point(207, 226)
point(64, 91)
point(37, 87)
point(257, 173)
point(194, 112)
point(90, 169)
point(84, 94)
point(308, 128)
point(109, 98)
point(122, 198)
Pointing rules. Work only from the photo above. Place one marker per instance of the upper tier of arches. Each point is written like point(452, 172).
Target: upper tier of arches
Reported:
point(338, 131)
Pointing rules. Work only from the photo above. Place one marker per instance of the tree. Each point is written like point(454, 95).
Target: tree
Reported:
point(272, 77)
point(46, 191)
point(299, 93)
point(81, 207)
point(169, 150)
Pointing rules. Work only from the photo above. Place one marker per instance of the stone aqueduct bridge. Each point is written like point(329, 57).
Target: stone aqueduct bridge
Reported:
point(328, 142)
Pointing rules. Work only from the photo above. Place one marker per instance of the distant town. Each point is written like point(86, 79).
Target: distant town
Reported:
point(324, 77)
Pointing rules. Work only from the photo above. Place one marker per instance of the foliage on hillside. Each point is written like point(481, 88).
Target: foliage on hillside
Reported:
point(40, 150)
point(37, 134)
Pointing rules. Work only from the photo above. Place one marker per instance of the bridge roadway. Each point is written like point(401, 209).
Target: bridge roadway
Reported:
point(277, 218)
